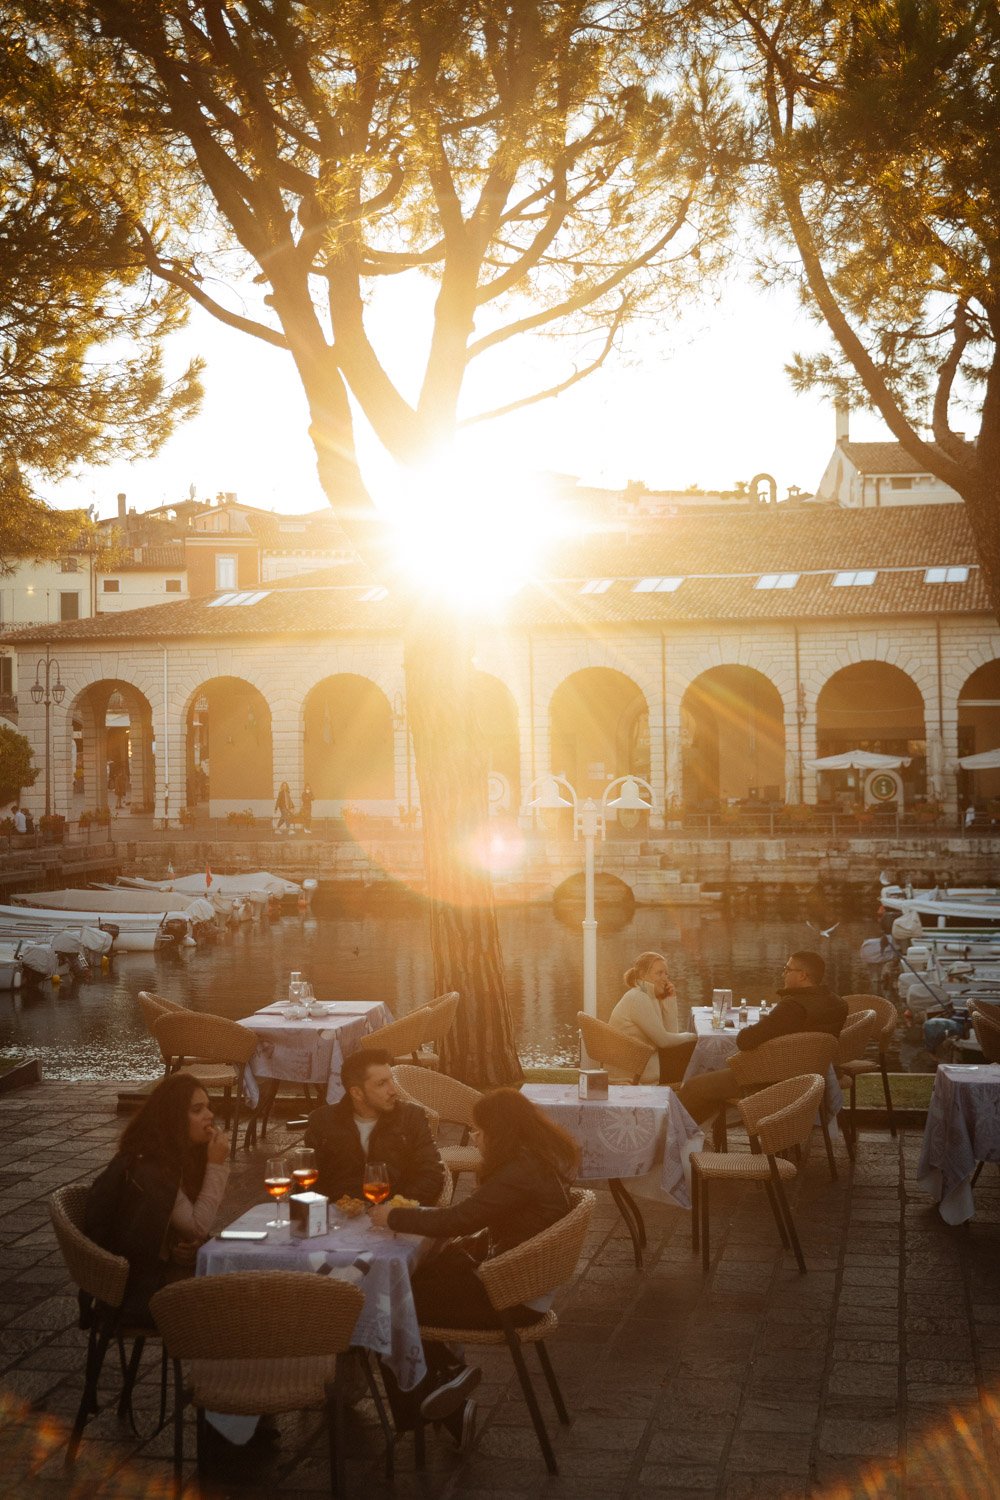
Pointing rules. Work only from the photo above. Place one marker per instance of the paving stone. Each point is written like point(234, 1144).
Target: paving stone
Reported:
point(858, 1438)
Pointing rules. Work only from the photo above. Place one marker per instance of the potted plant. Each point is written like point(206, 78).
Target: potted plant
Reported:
point(53, 827)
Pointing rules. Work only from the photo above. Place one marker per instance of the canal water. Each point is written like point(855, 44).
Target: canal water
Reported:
point(377, 948)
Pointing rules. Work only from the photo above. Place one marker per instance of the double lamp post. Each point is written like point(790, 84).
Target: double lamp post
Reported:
point(47, 692)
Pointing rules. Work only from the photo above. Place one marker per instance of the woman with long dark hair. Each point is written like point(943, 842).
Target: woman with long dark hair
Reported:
point(528, 1164)
point(157, 1199)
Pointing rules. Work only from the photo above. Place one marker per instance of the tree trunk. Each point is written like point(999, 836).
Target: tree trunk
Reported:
point(451, 771)
point(982, 505)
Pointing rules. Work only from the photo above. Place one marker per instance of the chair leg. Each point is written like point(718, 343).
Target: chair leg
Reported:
point(390, 1455)
point(779, 1189)
point(97, 1347)
point(848, 1134)
point(335, 1434)
point(552, 1383)
point(530, 1399)
point(854, 1114)
point(824, 1122)
point(227, 1104)
point(695, 1207)
point(776, 1211)
point(975, 1175)
point(705, 1252)
point(164, 1374)
point(236, 1111)
point(888, 1094)
point(128, 1383)
point(178, 1430)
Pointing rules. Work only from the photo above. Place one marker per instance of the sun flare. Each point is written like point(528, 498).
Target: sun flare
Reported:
point(469, 528)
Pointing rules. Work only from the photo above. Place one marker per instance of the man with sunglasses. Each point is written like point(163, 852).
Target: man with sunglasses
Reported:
point(805, 1003)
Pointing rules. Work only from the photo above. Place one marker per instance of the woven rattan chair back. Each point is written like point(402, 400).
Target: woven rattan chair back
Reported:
point(161, 1000)
point(439, 1017)
point(190, 1033)
point(888, 1015)
point(860, 1029)
point(987, 1035)
point(612, 1049)
point(95, 1271)
point(542, 1263)
point(782, 1115)
point(151, 1013)
point(257, 1315)
point(400, 1038)
point(784, 1057)
point(449, 1099)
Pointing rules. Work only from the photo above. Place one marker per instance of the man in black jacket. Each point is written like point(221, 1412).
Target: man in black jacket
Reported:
point(371, 1124)
point(805, 1003)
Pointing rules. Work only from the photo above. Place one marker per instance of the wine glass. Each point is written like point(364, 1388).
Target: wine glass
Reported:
point(278, 1184)
point(304, 1168)
point(376, 1186)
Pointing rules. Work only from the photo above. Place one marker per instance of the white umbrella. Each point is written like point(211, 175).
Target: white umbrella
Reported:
point(859, 760)
point(986, 760)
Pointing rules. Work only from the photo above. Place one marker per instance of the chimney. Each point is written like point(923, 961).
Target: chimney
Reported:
point(121, 509)
point(843, 417)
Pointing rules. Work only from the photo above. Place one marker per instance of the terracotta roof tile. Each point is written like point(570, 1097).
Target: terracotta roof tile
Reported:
point(884, 458)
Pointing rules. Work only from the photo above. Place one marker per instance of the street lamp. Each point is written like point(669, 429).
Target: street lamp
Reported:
point(48, 693)
point(590, 820)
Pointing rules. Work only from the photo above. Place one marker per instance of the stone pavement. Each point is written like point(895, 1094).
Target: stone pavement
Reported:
point(876, 1375)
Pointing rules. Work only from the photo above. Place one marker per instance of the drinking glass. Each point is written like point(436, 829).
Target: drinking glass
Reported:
point(304, 1168)
point(377, 1186)
point(306, 991)
point(278, 1183)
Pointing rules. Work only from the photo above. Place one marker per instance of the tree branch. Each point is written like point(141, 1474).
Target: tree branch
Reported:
point(564, 385)
point(946, 439)
point(192, 289)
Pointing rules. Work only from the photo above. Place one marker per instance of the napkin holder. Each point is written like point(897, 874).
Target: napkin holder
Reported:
point(307, 1214)
point(593, 1083)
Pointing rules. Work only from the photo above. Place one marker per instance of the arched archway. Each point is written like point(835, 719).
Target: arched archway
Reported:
point(110, 759)
point(497, 715)
point(228, 748)
point(733, 728)
point(979, 730)
point(348, 749)
point(871, 705)
point(599, 729)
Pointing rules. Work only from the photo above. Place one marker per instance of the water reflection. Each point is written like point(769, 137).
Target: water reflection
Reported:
point(378, 950)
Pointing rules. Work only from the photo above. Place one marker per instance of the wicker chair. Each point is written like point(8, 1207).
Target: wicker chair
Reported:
point(986, 1025)
point(212, 1039)
point(523, 1274)
point(888, 1022)
point(619, 1053)
point(783, 1057)
point(439, 1017)
point(778, 1118)
point(860, 1029)
point(260, 1342)
point(446, 1099)
point(100, 1278)
point(402, 1039)
point(209, 1075)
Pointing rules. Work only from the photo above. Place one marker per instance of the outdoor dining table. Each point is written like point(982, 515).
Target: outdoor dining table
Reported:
point(379, 1261)
point(641, 1132)
point(713, 1047)
point(308, 1050)
point(962, 1132)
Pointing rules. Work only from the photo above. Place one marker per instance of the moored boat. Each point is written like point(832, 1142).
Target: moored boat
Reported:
point(137, 932)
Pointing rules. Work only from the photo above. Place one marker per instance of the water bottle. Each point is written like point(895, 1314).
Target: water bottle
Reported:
point(744, 1015)
point(295, 985)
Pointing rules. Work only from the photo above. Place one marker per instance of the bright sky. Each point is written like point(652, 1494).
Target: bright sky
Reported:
point(703, 402)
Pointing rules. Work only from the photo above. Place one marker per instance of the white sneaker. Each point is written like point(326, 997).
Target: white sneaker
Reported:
point(451, 1396)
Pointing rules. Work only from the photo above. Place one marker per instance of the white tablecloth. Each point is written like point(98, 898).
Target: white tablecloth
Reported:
point(310, 1051)
point(638, 1132)
point(388, 1321)
point(713, 1047)
point(963, 1128)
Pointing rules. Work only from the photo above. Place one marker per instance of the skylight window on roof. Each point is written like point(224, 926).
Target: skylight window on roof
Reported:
point(596, 585)
point(777, 581)
point(657, 585)
point(854, 578)
point(246, 596)
point(374, 594)
point(946, 575)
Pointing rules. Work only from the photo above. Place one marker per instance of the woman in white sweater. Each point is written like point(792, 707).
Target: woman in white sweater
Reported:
point(647, 1012)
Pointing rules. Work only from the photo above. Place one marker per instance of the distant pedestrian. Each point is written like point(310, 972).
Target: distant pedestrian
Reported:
point(306, 808)
point(29, 822)
point(970, 815)
point(20, 821)
point(283, 808)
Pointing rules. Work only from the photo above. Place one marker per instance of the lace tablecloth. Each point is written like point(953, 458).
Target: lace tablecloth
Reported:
point(310, 1051)
point(377, 1260)
point(639, 1132)
point(963, 1128)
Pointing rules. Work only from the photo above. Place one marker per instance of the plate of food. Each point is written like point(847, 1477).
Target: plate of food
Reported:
point(351, 1208)
point(398, 1201)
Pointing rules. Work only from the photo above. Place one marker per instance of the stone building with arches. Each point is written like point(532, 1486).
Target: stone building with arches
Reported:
point(715, 654)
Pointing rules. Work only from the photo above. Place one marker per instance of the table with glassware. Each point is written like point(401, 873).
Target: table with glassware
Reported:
point(639, 1132)
point(962, 1132)
point(307, 1043)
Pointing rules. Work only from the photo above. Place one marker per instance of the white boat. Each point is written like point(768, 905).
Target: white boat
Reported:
point(115, 899)
point(201, 884)
point(10, 966)
point(969, 907)
point(135, 932)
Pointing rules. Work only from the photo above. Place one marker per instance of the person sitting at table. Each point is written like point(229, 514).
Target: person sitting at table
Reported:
point(805, 1003)
point(370, 1123)
point(647, 1012)
point(157, 1199)
point(528, 1163)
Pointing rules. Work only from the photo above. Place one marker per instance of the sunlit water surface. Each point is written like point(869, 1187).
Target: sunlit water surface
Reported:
point(378, 949)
